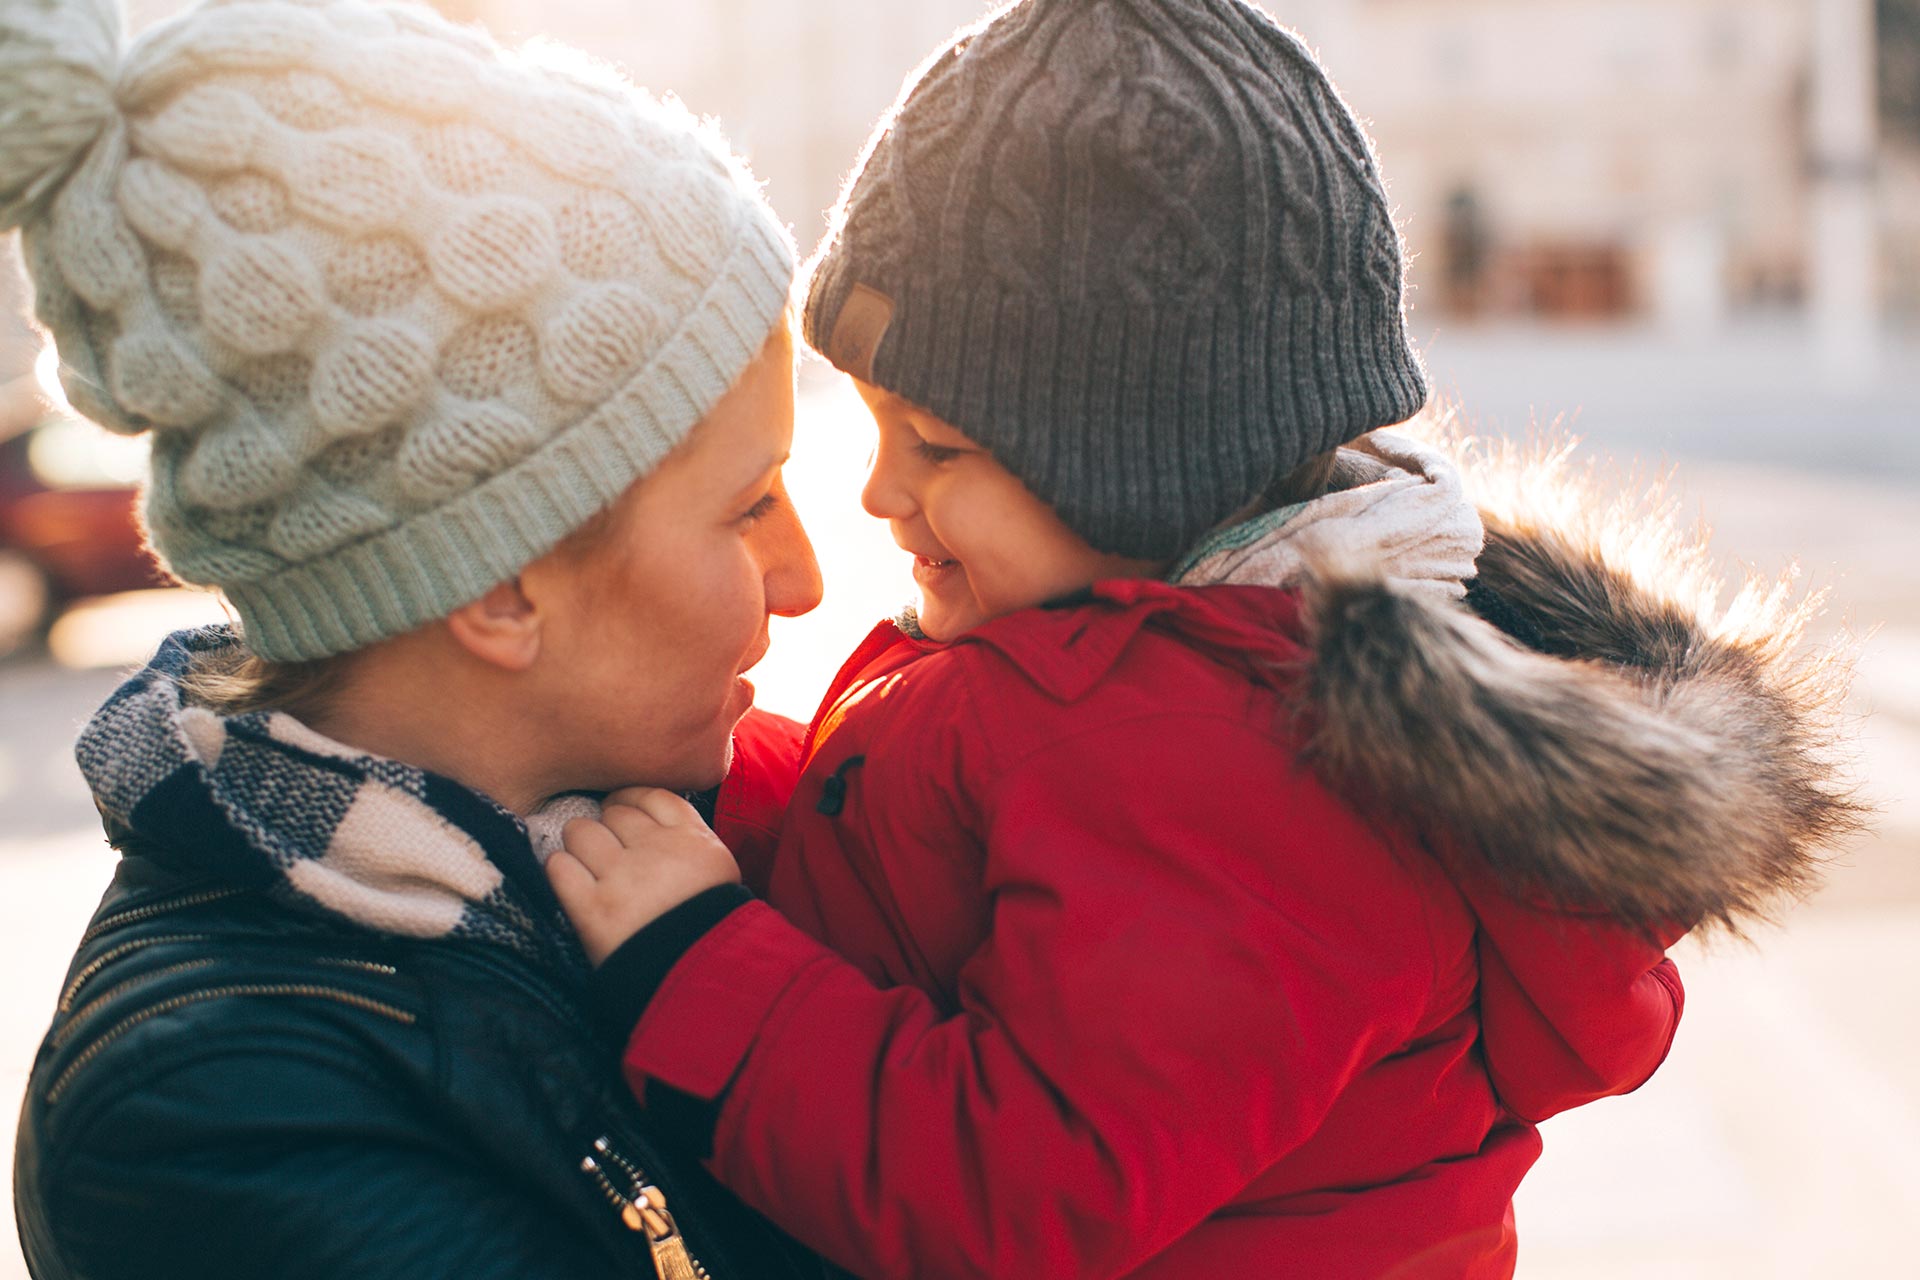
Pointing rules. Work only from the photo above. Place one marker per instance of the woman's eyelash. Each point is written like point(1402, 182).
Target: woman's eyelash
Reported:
point(761, 509)
point(936, 453)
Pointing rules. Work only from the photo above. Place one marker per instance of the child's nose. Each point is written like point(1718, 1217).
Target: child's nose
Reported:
point(884, 496)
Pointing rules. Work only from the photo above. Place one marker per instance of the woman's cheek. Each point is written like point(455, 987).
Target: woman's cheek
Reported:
point(740, 596)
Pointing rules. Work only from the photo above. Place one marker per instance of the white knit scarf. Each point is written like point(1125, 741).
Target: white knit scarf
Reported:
point(1398, 504)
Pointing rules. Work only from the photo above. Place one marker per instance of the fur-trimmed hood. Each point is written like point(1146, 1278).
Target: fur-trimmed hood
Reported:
point(1605, 723)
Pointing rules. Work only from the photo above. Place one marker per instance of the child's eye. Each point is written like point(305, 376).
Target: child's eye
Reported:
point(936, 454)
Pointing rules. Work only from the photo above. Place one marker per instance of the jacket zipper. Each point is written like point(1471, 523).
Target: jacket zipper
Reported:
point(101, 961)
point(132, 914)
point(87, 1011)
point(380, 967)
point(78, 1020)
point(643, 1208)
point(299, 990)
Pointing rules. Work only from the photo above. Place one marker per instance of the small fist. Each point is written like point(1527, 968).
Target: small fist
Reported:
point(648, 853)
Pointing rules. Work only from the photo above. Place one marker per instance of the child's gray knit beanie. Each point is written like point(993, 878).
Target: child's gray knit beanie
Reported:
point(1137, 249)
point(400, 310)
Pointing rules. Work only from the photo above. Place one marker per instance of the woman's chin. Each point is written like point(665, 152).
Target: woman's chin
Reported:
point(726, 766)
point(739, 702)
point(707, 772)
point(704, 755)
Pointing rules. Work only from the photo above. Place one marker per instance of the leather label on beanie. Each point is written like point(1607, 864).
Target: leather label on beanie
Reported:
point(857, 334)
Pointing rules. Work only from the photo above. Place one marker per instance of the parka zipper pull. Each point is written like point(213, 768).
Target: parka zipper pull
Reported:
point(670, 1257)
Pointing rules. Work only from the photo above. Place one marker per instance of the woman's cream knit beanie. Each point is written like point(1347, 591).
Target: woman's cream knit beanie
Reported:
point(400, 310)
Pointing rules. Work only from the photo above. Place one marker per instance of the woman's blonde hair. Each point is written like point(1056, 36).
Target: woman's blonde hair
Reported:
point(235, 680)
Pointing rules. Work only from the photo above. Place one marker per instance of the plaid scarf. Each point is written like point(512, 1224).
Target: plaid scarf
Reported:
point(261, 798)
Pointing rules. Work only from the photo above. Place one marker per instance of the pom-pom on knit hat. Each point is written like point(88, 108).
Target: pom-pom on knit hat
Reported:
point(400, 310)
point(1137, 249)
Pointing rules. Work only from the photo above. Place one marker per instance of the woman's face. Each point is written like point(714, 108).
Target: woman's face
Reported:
point(650, 618)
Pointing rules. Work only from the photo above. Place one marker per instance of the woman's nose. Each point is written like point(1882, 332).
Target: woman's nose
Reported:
point(793, 584)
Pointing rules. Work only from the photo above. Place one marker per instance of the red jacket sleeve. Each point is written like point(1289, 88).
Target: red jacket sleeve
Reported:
point(1155, 1018)
point(766, 766)
point(1573, 1007)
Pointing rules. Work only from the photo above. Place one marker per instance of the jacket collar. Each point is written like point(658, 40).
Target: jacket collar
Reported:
point(1589, 721)
point(1070, 645)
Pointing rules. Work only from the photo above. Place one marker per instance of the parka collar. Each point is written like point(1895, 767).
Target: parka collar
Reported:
point(1065, 649)
point(1591, 721)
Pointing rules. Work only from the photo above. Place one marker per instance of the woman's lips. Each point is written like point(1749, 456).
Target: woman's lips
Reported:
point(928, 562)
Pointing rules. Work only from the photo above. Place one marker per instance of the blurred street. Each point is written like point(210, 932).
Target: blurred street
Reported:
point(1782, 1139)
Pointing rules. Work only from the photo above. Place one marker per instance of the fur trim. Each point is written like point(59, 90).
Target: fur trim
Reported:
point(1603, 733)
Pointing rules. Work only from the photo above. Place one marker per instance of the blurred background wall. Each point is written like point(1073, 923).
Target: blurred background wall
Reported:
point(1692, 164)
point(1688, 163)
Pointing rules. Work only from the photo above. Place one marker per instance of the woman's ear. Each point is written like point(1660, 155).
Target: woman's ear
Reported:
point(501, 628)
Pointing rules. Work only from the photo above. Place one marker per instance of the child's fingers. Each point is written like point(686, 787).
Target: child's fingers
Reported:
point(636, 828)
point(571, 880)
point(666, 808)
point(593, 844)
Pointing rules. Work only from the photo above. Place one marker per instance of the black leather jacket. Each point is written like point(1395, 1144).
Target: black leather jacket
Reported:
point(231, 1089)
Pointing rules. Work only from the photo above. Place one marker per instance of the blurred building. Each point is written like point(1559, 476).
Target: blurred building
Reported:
point(1675, 161)
point(1680, 161)
point(796, 85)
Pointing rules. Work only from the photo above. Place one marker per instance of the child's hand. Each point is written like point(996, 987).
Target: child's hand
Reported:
point(649, 853)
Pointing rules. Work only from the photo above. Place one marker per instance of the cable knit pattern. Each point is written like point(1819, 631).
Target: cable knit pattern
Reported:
point(1138, 249)
point(401, 310)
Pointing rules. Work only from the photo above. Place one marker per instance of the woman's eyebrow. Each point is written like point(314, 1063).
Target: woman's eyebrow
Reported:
point(759, 477)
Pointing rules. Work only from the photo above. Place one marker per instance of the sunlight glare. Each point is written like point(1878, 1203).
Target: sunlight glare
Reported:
point(867, 577)
point(123, 630)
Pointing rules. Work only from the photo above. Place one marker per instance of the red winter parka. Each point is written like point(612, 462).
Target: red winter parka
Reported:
point(1103, 942)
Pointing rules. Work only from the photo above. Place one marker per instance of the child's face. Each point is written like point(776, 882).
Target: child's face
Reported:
point(983, 545)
